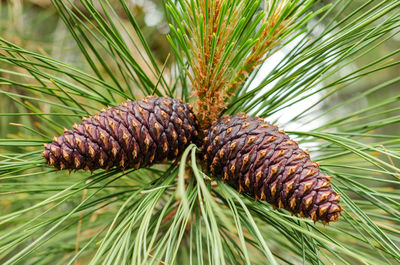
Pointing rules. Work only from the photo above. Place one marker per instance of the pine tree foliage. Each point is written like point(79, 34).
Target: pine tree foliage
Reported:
point(174, 213)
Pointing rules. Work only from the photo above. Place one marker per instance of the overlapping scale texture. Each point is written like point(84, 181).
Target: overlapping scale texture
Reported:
point(259, 159)
point(131, 135)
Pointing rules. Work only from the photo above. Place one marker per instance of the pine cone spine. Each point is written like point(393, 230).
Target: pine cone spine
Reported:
point(257, 158)
point(131, 135)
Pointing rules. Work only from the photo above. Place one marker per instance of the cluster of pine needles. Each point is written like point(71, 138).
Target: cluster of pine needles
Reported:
point(223, 61)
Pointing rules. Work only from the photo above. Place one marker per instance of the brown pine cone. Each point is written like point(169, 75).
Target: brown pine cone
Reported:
point(258, 159)
point(131, 135)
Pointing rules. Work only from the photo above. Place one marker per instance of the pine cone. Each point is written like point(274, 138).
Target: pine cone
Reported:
point(258, 159)
point(132, 135)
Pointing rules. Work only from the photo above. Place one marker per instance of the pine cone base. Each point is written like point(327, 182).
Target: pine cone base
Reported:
point(258, 159)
